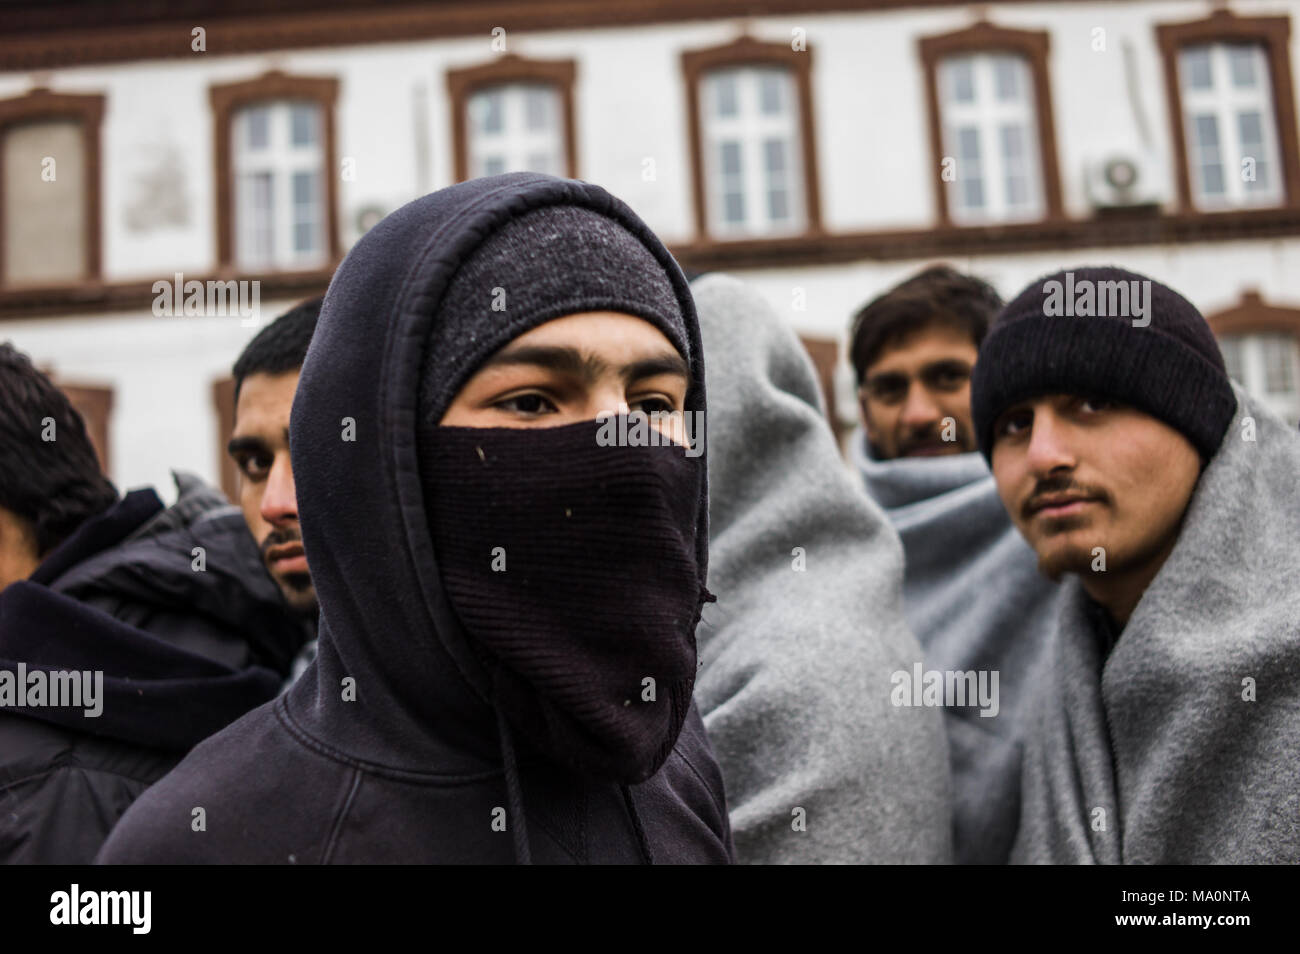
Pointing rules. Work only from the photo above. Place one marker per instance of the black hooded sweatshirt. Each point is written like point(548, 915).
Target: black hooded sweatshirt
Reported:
point(386, 750)
point(187, 639)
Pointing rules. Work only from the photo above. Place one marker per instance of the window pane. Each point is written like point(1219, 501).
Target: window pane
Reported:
point(724, 90)
point(1013, 161)
point(306, 211)
point(539, 162)
point(303, 122)
point(778, 198)
point(1206, 136)
point(44, 220)
point(494, 165)
point(255, 205)
point(968, 171)
point(257, 127)
point(1196, 68)
point(1231, 348)
point(1241, 61)
point(730, 152)
point(1006, 77)
point(771, 87)
point(486, 111)
point(961, 79)
point(1279, 354)
point(537, 108)
point(733, 196)
point(733, 207)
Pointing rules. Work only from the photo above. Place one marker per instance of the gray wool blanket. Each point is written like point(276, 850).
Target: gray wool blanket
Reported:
point(1183, 746)
point(798, 651)
point(976, 601)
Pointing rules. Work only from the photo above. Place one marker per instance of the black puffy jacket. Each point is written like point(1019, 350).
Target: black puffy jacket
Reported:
point(174, 608)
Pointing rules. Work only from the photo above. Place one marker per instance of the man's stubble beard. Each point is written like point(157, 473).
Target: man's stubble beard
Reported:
point(1072, 557)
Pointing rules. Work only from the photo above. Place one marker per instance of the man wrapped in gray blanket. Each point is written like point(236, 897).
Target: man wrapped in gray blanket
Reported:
point(1167, 730)
point(798, 652)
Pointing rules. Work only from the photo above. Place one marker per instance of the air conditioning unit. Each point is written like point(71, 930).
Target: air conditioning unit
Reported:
point(1120, 181)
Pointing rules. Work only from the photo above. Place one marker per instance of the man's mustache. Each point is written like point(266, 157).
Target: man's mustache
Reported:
point(1054, 486)
point(278, 537)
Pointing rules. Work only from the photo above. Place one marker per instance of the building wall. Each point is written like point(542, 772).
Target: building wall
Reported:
point(875, 168)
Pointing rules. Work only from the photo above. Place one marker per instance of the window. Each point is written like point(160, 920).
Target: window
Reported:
point(276, 178)
point(1268, 366)
point(753, 167)
point(516, 127)
point(49, 196)
point(1228, 118)
point(990, 129)
point(95, 405)
point(991, 126)
point(1232, 111)
point(513, 115)
point(753, 157)
point(1260, 343)
point(279, 193)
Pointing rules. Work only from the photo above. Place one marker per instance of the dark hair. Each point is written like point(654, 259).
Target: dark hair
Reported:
point(281, 346)
point(938, 295)
point(53, 485)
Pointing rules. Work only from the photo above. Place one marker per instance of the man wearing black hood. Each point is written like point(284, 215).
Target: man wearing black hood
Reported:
point(128, 631)
point(508, 604)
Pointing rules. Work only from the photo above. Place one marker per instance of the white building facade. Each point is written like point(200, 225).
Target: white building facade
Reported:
point(822, 151)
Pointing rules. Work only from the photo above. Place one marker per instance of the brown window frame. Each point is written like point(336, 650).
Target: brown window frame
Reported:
point(1223, 26)
point(984, 37)
point(42, 104)
point(94, 403)
point(1252, 315)
point(511, 68)
point(747, 51)
point(226, 99)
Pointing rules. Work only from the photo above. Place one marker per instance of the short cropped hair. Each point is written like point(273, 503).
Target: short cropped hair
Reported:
point(52, 485)
point(281, 346)
point(938, 295)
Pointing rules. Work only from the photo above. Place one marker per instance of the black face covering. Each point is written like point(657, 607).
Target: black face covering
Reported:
point(572, 567)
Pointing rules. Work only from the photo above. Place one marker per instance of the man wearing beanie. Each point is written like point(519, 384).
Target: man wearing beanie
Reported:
point(1168, 730)
point(506, 650)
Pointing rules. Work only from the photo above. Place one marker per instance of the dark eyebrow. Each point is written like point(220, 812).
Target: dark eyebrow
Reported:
point(251, 445)
point(944, 364)
point(669, 363)
point(565, 360)
point(588, 367)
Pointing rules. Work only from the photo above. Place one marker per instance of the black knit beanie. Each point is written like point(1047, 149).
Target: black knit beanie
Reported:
point(549, 262)
point(1064, 335)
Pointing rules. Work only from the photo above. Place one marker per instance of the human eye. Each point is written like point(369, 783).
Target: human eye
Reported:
point(254, 466)
point(529, 404)
point(1014, 422)
point(887, 390)
point(949, 377)
point(1094, 405)
point(657, 404)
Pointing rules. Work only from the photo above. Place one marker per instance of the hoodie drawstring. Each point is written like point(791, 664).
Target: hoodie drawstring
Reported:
point(514, 793)
point(646, 855)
